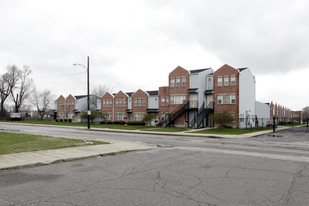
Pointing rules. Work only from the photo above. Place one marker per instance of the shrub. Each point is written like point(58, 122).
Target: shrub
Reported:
point(120, 122)
point(136, 123)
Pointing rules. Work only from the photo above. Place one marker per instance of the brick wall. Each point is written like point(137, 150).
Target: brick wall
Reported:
point(139, 95)
point(221, 72)
point(107, 108)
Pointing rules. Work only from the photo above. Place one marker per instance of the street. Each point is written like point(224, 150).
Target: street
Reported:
point(268, 170)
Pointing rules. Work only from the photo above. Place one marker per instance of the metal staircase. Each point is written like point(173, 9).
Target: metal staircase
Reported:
point(174, 115)
point(197, 121)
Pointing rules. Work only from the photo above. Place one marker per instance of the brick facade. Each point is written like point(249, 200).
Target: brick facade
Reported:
point(227, 71)
point(107, 107)
point(139, 104)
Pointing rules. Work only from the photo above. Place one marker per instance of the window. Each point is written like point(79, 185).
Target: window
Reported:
point(220, 99)
point(120, 116)
point(135, 102)
point(120, 102)
point(138, 116)
point(177, 81)
point(116, 102)
point(178, 99)
point(162, 101)
point(219, 81)
point(241, 118)
point(110, 103)
point(233, 80)
point(226, 80)
point(103, 103)
point(166, 101)
point(172, 99)
point(139, 101)
point(144, 101)
point(172, 82)
point(124, 103)
point(226, 99)
point(183, 81)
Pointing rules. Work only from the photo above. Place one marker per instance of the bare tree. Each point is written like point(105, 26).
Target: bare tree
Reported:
point(7, 83)
point(99, 91)
point(23, 88)
point(42, 101)
point(305, 113)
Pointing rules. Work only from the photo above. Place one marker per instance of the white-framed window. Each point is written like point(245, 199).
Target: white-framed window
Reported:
point(164, 115)
point(166, 101)
point(107, 116)
point(226, 80)
point(116, 102)
point(139, 101)
point(124, 103)
point(233, 80)
point(70, 115)
point(61, 115)
point(138, 116)
point(183, 81)
point(110, 103)
point(220, 99)
point(162, 101)
point(226, 99)
point(135, 102)
point(178, 99)
point(177, 81)
point(120, 102)
point(144, 101)
point(103, 102)
point(120, 116)
point(241, 118)
point(219, 80)
point(172, 84)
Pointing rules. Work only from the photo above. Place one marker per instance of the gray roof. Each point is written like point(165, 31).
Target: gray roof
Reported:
point(154, 92)
point(129, 93)
point(192, 90)
point(80, 96)
point(198, 70)
point(242, 69)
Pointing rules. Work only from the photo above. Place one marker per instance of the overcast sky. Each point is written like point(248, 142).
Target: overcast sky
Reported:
point(135, 44)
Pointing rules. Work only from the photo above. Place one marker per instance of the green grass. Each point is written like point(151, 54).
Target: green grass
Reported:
point(16, 142)
point(168, 129)
point(233, 131)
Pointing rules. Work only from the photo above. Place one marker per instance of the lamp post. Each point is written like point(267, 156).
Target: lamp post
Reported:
point(88, 98)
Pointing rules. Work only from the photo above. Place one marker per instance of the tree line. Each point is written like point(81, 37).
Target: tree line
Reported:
point(17, 85)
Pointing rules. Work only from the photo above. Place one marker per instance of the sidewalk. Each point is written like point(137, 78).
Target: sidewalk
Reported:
point(44, 157)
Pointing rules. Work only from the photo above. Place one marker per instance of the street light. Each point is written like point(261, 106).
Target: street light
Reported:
point(88, 102)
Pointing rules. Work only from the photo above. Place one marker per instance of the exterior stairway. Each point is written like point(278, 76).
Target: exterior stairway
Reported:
point(201, 116)
point(174, 115)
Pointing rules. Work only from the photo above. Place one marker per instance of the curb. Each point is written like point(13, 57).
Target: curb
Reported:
point(69, 159)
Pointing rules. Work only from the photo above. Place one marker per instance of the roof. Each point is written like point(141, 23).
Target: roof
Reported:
point(192, 90)
point(242, 69)
point(80, 96)
point(129, 93)
point(154, 92)
point(152, 110)
point(198, 70)
point(209, 91)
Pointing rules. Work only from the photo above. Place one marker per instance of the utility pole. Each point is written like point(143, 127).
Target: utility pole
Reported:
point(88, 98)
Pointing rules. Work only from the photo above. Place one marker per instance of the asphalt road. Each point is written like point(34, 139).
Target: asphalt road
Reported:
point(268, 170)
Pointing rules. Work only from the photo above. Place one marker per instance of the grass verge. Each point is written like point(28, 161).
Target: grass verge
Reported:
point(16, 142)
point(168, 129)
point(233, 131)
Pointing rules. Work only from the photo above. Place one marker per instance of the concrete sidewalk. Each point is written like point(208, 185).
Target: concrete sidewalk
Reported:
point(44, 157)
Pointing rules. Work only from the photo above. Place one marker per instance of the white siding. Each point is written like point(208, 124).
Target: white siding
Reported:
point(262, 112)
point(246, 96)
point(153, 102)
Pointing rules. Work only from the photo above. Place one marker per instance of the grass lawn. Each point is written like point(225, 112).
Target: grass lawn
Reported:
point(16, 142)
point(108, 126)
point(168, 129)
point(230, 130)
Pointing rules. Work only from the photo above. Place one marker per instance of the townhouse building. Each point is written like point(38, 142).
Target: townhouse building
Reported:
point(190, 100)
point(130, 106)
point(234, 91)
point(70, 108)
